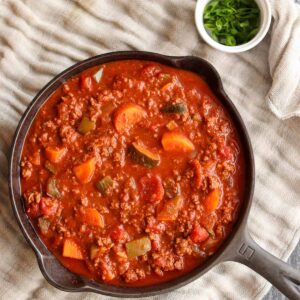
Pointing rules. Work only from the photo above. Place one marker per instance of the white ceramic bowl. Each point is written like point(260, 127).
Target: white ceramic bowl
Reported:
point(265, 22)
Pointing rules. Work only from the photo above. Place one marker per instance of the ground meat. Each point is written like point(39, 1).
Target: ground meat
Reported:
point(106, 268)
point(228, 169)
point(130, 276)
point(167, 261)
point(186, 219)
point(103, 146)
point(179, 263)
point(114, 203)
point(70, 109)
point(140, 273)
point(27, 169)
point(123, 267)
point(229, 209)
point(45, 138)
point(171, 187)
point(119, 157)
point(183, 246)
point(134, 275)
point(130, 209)
point(120, 252)
point(95, 109)
point(213, 182)
point(68, 134)
point(150, 71)
point(43, 224)
point(50, 125)
point(158, 271)
point(32, 197)
point(35, 158)
point(122, 82)
point(84, 201)
point(105, 242)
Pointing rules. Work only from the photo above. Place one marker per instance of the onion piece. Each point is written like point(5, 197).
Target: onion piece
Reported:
point(98, 75)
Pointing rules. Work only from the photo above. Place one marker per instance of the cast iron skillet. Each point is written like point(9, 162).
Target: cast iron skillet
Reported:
point(238, 247)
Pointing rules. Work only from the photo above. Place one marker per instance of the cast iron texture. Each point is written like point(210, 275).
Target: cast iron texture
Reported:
point(238, 247)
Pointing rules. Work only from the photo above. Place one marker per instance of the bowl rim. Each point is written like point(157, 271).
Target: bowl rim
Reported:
point(265, 23)
point(46, 261)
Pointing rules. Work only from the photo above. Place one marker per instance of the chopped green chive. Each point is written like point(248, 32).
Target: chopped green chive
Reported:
point(232, 22)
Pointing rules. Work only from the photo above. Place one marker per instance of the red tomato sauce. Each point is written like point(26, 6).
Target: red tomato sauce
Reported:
point(132, 173)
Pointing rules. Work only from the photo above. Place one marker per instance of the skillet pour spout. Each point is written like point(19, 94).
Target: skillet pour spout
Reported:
point(239, 246)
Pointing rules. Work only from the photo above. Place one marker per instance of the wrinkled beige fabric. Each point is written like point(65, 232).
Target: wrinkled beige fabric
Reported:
point(38, 39)
point(284, 60)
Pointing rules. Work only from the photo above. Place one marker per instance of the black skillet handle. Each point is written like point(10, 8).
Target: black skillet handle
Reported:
point(283, 276)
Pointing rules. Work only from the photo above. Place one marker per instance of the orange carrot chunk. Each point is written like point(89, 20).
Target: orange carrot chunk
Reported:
point(170, 209)
point(128, 115)
point(167, 86)
point(212, 201)
point(85, 171)
point(176, 142)
point(55, 154)
point(72, 250)
point(91, 216)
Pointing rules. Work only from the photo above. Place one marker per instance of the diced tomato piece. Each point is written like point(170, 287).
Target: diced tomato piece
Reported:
point(86, 82)
point(151, 188)
point(199, 234)
point(119, 234)
point(33, 210)
point(156, 243)
point(48, 206)
point(197, 173)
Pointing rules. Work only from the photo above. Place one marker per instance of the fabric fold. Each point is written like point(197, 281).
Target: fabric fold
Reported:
point(284, 60)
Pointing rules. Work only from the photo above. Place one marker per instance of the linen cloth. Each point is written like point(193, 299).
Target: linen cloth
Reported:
point(39, 39)
point(284, 60)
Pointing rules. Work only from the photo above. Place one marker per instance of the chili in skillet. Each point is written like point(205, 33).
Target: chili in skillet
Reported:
point(132, 173)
